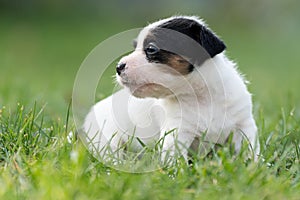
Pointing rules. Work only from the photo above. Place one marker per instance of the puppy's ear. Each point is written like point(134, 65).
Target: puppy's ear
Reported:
point(210, 42)
point(196, 30)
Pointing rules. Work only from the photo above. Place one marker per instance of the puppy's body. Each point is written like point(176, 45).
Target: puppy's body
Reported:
point(167, 91)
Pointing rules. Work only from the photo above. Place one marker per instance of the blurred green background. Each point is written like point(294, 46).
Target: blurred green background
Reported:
point(42, 44)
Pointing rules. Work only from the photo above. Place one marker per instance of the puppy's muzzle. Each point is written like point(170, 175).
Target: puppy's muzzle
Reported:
point(120, 68)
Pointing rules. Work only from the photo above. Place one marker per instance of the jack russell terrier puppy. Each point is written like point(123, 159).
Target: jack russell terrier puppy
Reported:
point(180, 90)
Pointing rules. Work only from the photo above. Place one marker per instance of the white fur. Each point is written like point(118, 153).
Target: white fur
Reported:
point(212, 100)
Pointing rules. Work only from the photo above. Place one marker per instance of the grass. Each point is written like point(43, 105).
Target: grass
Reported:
point(38, 162)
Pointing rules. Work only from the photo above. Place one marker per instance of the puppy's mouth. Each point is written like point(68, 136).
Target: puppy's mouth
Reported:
point(151, 90)
point(144, 90)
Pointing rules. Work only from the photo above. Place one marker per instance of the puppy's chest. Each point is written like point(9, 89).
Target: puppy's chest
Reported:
point(196, 117)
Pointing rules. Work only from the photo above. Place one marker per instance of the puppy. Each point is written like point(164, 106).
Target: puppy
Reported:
point(180, 90)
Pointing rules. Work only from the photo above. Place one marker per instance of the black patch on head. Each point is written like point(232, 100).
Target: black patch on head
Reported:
point(210, 42)
point(164, 39)
point(205, 37)
point(177, 62)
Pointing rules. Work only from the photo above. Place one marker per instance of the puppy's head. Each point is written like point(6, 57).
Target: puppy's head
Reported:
point(166, 52)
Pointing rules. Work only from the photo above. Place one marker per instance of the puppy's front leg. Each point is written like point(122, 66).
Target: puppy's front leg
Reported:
point(175, 143)
point(248, 131)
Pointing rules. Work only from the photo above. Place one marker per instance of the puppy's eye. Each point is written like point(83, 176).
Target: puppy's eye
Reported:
point(151, 49)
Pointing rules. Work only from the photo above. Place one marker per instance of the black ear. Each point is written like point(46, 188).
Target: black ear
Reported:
point(207, 39)
point(210, 42)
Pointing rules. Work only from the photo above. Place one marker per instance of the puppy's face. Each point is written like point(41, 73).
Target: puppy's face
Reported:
point(166, 52)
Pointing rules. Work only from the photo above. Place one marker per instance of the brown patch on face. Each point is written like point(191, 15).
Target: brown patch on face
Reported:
point(179, 64)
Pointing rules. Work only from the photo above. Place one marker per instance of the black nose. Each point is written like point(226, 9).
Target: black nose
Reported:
point(120, 68)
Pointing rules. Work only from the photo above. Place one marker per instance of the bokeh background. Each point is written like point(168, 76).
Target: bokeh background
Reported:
point(43, 43)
